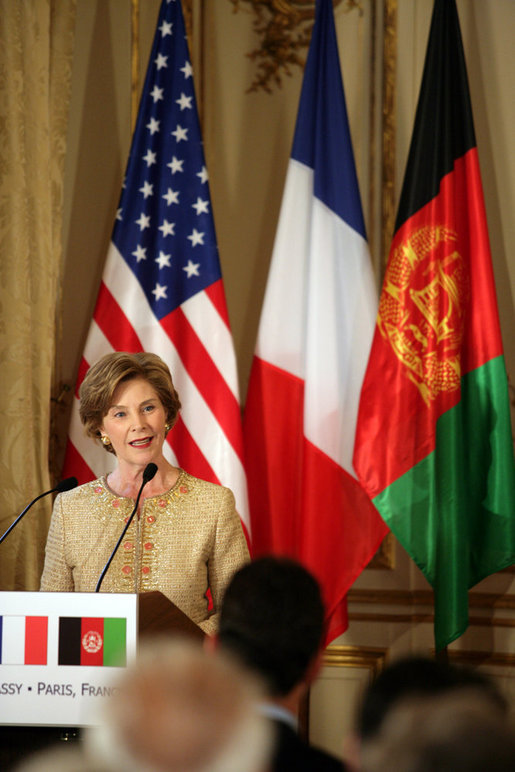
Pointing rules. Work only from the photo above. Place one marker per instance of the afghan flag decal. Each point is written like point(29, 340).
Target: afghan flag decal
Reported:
point(92, 641)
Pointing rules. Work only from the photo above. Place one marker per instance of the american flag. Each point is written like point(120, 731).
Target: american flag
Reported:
point(162, 289)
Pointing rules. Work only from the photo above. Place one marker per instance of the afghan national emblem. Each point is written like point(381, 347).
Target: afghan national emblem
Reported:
point(92, 642)
point(422, 306)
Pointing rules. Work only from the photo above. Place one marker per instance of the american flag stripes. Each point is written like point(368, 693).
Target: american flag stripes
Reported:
point(162, 289)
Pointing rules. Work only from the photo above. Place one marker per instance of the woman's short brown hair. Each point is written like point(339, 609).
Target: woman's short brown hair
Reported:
point(103, 378)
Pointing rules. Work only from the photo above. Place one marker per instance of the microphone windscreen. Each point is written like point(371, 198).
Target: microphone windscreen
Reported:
point(149, 472)
point(67, 485)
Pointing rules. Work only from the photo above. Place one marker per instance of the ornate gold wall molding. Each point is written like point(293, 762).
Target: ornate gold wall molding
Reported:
point(385, 555)
point(412, 618)
point(372, 658)
point(417, 598)
point(475, 658)
point(388, 127)
point(425, 598)
point(134, 62)
point(284, 30)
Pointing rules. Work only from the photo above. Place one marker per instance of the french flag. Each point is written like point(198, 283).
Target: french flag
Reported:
point(313, 344)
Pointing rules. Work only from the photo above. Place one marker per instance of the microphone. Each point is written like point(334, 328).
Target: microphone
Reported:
point(64, 485)
point(148, 473)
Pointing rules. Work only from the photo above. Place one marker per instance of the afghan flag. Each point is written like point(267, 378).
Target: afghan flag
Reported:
point(23, 640)
point(433, 442)
point(93, 641)
point(315, 333)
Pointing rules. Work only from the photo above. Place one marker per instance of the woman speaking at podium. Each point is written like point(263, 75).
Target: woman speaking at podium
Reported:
point(186, 535)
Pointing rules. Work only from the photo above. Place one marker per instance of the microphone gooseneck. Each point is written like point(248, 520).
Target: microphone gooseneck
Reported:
point(148, 473)
point(64, 485)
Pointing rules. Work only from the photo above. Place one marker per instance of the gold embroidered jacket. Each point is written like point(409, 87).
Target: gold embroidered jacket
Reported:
point(183, 542)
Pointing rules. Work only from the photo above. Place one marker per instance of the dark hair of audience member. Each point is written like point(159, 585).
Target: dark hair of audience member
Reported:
point(272, 619)
point(418, 676)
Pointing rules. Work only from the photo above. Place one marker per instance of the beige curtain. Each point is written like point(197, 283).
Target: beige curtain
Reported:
point(36, 45)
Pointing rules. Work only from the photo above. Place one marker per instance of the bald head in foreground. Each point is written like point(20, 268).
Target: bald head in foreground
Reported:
point(177, 709)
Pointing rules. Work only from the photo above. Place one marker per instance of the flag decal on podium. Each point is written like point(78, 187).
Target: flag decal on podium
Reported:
point(93, 641)
point(23, 640)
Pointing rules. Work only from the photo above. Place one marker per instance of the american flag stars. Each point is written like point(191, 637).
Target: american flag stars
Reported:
point(203, 175)
point(175, 165)
point(149, 158)
point(201, 206)
point(167, 228)
point(153, 125)
point(163, 260)
point(166, 28)
point(180, 133)
point(187, 70)
point(171, 196)
point(147, 189)
point(167, 173)
point(196, 238)
point(140, 253)
point(156, 94)
point(185, 102)
point(161, 61)
point(191, 269)
point(143, 221)
point(159, 292)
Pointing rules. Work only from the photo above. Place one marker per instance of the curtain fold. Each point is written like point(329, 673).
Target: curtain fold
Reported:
point(36, 48)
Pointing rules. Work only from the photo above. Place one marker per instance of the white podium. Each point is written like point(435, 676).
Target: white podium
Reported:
point(60, 654)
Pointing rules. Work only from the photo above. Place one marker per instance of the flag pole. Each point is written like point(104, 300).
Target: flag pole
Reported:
point(442, 656)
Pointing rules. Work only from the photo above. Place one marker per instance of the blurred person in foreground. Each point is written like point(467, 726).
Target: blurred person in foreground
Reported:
point(455, 731)
point(413, 677)
point(185, 538)
point(272, 621)
point(177, 709)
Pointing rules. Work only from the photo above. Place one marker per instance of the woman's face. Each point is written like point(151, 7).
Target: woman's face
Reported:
point(135, 423)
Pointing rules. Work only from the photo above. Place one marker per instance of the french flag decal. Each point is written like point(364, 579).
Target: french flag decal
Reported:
point(23, 640)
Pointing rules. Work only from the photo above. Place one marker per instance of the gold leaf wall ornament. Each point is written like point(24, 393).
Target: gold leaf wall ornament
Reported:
point(389, 134)
point(284, 28)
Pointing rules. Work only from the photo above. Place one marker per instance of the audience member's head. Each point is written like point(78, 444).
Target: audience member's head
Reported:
point(454, 731)
point(272, 620)
point(417, 676)
point(413, 678)
point(63, 757)
point(180, 710)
